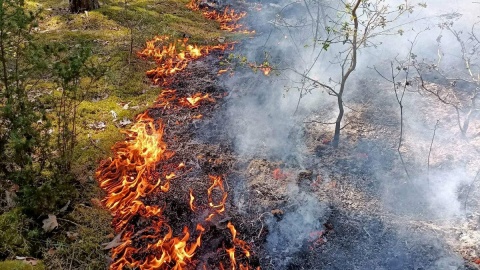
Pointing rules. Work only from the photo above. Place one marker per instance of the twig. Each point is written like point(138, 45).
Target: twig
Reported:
point(324, 123)
point(430, 151)
point(367, 232)
point(69, 221)
point(469, 189)
point(260, 219)
point(96, 146)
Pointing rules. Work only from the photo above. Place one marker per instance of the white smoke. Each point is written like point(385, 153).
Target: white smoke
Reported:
point(266, 116)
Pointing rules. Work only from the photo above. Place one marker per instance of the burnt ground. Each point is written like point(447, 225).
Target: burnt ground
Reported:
point(335, 220)
point(345, 226)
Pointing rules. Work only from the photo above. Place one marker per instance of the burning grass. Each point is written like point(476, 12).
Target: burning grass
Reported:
point(173, 57)
point(142, 168)
point(130, 177)
point(228, 18)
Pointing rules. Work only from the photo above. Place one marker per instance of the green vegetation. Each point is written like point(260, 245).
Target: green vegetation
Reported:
point(67, 82)
point(19, 265)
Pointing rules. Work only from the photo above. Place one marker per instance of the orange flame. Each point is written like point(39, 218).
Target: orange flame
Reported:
point(192, 198)
point(217, 184)
point(195, 100)
point(265, 68)
point(127, 178)
point(237, 243)
point(172, 57)
point(228, 19)
point(165, 252)
point(130, 175)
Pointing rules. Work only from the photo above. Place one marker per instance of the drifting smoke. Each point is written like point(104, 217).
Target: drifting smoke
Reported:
point(267, 114)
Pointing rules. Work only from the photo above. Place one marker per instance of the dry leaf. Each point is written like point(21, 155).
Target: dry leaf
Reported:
point(10, 197)
point(72, 235)
point(277, 212)
point(114, 114)
point(50, 223)
point(97, 125)
point(125, 122)
point(51, 251)
point(15, 188)
point(117, 241)
point(63, 209)
point(27, 260)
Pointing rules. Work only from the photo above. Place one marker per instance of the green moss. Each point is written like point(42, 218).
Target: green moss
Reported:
point(19, 265)
point(12, 241)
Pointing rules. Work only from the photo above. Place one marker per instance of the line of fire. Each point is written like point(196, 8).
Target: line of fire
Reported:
point(140, 176)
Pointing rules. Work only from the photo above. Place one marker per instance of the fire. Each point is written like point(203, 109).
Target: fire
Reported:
point(228, 19)
point(166, 99)
point(130, 175)
point(127, 178)
point(265, 68)
point(165, 252)
point(237, 243)
point(217, 184)
point(195, 100)
point(173, 57)
point(169, 100)
point(192, 198)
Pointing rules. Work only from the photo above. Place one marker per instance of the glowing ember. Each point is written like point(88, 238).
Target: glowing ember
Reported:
point(278, 174)
point(220, 72)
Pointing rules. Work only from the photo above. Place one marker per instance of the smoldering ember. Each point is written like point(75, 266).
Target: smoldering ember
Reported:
point(240, 134)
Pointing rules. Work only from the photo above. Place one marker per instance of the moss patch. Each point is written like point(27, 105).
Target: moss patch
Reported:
point(19, 265)
point(12, 240)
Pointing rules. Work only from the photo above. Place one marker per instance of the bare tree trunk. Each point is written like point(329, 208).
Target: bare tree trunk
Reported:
point(336, 136)
point(345, 75)
point(77, 6)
